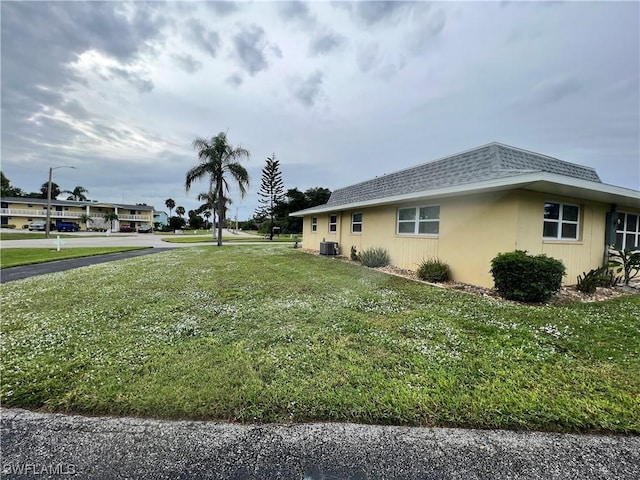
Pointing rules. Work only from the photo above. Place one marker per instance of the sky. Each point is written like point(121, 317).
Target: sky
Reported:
point(340, 92)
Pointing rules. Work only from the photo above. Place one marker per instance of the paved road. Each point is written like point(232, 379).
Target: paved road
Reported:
point(26, 271)
point(105, 448)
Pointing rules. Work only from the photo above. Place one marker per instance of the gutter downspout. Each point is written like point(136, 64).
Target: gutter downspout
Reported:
point(610, 232)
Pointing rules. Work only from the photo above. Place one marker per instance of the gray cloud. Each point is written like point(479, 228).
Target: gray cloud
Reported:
point(296, 11)
point(326, 42)
point(368, 56)
point(208, 41)
point(234, 80)
point(143, 85)
point(223, 8)
point(554, 89)
point(307, 90)
point(427, 32)
point(371, 13)
point(250, 46)
point(187, 63)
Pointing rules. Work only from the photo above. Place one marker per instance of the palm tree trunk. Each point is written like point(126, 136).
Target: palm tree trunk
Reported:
point(220, 212)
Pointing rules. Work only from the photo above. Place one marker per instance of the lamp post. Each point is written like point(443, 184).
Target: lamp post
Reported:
point(47, 227)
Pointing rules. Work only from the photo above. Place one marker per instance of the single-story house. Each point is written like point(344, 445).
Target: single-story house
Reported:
point(466, 208)
point(20, 211)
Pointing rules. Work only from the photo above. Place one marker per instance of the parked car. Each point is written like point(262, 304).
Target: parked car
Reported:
point(40, 225)
point(126, 228)
point(68, 227)
point(145, 229)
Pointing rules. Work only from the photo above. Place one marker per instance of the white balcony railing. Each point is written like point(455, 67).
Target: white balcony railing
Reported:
point(13, 212)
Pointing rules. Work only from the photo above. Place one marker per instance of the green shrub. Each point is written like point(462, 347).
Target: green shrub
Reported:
point(433, 271)
point(526, 278)
point(374, 257)
point(626, 262)
point(10, 226)
point(597, 277)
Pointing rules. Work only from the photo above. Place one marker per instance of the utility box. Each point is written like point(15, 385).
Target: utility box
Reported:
point(328, 248)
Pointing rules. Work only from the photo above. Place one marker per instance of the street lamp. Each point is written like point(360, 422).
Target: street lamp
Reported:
point(47, 227)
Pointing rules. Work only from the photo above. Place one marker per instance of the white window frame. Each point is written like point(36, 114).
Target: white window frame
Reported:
point(333, 224)
point(417, 221)
point(624, 231)
point(561, 221)
point(314, 224)
point(355, 223)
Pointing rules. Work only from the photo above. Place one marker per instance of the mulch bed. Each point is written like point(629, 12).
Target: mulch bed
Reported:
point(566, 295)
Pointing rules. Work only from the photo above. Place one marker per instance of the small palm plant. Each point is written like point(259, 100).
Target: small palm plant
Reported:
point(109, 217)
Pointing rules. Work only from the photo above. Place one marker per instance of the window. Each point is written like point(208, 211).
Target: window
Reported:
point(314, 224)
point(560, 221)
point(333, 223)
point(356, 223)
point(628, 231)
point(419, 220)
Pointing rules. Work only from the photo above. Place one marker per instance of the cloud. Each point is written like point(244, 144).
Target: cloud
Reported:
point(187, 63)
point(223, 8)
point(424, 36)
point(326, 42)
point(235, 79)
point(251, 49)
point(554, 89)
point(296, 11)
point(143, 85)
point(371, 13)
point(208, 41)
point(307, 90)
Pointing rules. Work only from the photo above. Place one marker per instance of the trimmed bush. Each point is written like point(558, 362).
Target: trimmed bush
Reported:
point(374, 257)
point(526, 278)
point(433, 271)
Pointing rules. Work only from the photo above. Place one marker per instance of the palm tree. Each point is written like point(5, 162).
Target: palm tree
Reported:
point(217, 159)
point(77, 194)
point(86, 219)
point(109, 217)
point(180, 211)
point(210, 200)
point(170, 204)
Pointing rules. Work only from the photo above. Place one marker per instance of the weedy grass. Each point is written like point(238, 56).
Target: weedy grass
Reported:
point(271, 334)
point(13, 257)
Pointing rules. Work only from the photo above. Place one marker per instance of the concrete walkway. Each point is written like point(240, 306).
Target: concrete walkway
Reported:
point(105, 448)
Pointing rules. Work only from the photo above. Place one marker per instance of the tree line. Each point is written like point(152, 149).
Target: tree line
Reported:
point(8, 190)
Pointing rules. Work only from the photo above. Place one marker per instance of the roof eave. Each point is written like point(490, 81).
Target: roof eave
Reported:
point(538, 181)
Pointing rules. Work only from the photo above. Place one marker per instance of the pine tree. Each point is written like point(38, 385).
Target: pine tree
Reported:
point(271, 191)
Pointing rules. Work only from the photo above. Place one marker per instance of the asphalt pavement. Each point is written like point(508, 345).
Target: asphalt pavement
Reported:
point(106, 448)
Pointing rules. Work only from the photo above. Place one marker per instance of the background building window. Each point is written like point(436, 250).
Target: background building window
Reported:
point(333, 223)
point(628, 231)
point(419, 220)
point(561, 221)
point(314, 224)
point(356, 223)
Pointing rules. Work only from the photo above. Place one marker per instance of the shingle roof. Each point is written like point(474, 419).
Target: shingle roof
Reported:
point(484, 163)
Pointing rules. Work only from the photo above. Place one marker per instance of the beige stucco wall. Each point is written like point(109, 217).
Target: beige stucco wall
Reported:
point(473, 230)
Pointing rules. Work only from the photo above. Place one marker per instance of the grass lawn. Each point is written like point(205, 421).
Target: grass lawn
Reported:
point(179, 239)
point(13, 257)
point(268, 333)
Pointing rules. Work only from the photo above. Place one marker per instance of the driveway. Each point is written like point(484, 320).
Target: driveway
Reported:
point(105, 448)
